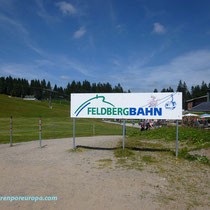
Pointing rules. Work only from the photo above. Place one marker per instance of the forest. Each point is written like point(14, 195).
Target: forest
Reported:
point(41, 90)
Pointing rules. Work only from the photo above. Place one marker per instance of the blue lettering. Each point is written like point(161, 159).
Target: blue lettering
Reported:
point(132, 111)
point(140, 111)
point(158, 111)
point(149, 111)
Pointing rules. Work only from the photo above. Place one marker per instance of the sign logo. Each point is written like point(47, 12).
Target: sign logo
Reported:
point(86, 103)
point(171, 105)
point(149, 109)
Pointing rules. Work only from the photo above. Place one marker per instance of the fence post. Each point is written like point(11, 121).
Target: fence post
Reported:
point(53, 130)
point(10, 131)
point(40, 132)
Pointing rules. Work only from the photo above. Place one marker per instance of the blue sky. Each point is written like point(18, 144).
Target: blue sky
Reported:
point(141, 44)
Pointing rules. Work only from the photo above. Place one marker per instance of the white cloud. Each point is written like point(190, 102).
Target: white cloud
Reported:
point(116, 62)
point(65, 77)
point(192, 67)
point(29, 71)
point(151, 14)
point(158, 28)
point(79, 33)
point(18, 26)
point(43, 13)
point(66, 8)
point(20, 31)
point(47, 68)
point(70, 65)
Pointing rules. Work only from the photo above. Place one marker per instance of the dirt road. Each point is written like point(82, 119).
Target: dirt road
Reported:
point(88, 180)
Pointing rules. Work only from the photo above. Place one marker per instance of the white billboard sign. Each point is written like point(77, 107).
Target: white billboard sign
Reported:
point(127, 105)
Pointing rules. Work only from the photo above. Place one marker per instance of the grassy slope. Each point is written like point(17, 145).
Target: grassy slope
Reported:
point(26, 118)
point(21, 108)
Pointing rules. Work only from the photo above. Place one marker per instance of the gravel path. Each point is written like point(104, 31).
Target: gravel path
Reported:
point(76, 178)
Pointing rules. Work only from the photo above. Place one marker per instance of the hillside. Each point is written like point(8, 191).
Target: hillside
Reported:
point(21, 108)
point(56, 122)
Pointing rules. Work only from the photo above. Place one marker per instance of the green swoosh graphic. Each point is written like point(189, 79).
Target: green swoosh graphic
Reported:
point(97, 97)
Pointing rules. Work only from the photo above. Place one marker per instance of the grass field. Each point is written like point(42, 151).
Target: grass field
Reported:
point(163, 139)
point(56, 122)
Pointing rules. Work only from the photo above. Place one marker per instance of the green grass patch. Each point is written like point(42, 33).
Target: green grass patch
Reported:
point(148, 159)
point(123, 153)
point(103, 163)
point(105, 160)
point(184, 153)
point(194, 135)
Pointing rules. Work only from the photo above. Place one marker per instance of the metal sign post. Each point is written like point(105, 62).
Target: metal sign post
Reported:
point(73, 133)
point(40, 132)
point(123, 134)
point(10, 131)
point(177, 137)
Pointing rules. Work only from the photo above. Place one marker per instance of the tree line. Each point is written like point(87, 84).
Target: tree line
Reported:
point(41, 89)
point(193, 92)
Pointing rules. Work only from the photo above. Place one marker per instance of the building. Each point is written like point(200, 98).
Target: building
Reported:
point(199, 104)
point(196, 101)
point(30, 98)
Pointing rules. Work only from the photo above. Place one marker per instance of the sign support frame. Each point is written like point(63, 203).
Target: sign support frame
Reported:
point(74, 134)
point(40, 132)
point(11, 131)
point(123, 134)
point(127, 106)
point(177, 137)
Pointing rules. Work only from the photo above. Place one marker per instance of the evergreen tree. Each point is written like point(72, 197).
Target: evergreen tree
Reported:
point(78, 87)
point(49, 86)
point(2, 85)
point(203, 88)
point(86, 87)
point(107, 88)
point(118, 89)
point(170, 89)
point(93, 88)
point(9, 85)
point(163, 90)
point(73, 87)
point(155, 90)
point(182, 87)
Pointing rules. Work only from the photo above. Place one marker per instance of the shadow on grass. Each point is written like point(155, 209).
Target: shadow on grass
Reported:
point(97, 148)
point(130, 148)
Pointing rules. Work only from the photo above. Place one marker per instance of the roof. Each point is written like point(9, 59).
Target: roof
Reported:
point(196, 98)
point(203, 107)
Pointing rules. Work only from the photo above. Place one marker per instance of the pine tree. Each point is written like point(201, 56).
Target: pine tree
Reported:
point(155, 90)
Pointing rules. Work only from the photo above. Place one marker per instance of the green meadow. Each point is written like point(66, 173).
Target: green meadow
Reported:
point(56, 122)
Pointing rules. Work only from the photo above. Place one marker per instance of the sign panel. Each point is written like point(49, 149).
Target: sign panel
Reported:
point(127, 105)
